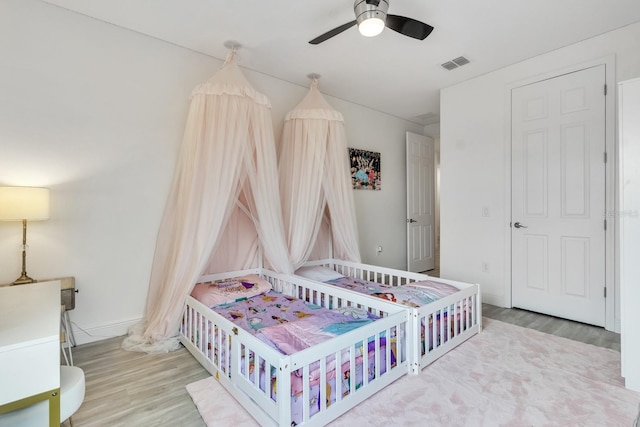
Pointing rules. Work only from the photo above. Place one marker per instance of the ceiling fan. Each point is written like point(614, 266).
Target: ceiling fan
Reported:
point(372, 17)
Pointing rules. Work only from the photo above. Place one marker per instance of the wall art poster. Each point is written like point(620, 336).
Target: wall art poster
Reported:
point(365, 169)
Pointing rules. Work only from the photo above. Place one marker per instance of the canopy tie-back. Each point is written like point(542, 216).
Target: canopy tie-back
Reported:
point(231, 56)
point(314, 79)
point(233, 47)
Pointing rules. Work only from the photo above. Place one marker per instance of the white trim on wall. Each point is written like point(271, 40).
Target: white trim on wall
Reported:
point(112, 330)
point(612, 316)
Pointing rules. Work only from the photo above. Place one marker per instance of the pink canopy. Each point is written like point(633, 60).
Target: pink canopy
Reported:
point(222, 213)
point(315, 183)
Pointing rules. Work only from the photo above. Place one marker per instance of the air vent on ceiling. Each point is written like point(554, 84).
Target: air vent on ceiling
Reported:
point(455, 63)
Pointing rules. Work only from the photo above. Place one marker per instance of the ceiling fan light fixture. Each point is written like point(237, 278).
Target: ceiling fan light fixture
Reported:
point(370, 16)
point(371, 27)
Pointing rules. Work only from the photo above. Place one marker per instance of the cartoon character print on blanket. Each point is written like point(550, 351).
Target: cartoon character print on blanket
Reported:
point(412, 295)
point(273, 308)
point(289, 325)
point(264, 310)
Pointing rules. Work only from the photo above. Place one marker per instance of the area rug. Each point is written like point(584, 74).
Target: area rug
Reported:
point(505, 376)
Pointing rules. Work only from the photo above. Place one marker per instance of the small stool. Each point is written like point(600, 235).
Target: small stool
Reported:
point(71, 396)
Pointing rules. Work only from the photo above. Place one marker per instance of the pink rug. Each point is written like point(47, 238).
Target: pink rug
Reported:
point(507, 375)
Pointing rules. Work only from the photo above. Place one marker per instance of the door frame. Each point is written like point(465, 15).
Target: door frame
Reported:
point(612, 318)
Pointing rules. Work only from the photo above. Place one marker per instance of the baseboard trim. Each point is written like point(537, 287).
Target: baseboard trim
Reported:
point(493, 299)
point(99, 333)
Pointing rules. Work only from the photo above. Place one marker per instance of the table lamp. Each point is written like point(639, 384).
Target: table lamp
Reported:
point(24, 204)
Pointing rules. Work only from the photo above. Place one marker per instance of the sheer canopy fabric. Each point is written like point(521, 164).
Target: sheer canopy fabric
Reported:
point(224, 200)
point(315, 182)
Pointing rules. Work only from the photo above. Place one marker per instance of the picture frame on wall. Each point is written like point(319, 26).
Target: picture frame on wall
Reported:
point(365, 169)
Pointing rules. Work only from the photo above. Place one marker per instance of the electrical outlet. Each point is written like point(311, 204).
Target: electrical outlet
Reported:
point(378, 250)
point(485, 267)
point(485, 211)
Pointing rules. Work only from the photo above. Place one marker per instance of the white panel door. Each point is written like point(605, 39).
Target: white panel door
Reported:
point(420, 203)
point(558, 196)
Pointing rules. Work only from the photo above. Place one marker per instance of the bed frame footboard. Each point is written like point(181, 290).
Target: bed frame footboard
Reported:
point(436, 328)
point(273, 386)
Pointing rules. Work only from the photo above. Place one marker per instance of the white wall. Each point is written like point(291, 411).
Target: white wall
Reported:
point(96, 113)
point(629, 92)
point(381, 215)
point(474, 159)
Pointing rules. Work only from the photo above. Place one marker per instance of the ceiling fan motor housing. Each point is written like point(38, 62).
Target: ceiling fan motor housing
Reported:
point(366, 9)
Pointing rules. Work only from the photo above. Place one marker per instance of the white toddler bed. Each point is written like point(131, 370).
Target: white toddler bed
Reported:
point(263, 379)
point(435, 327)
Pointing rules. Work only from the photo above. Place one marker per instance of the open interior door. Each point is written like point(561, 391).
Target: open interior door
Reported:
point(420, 203)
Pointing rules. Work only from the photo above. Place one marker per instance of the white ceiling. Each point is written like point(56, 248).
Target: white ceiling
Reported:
point(389, 73)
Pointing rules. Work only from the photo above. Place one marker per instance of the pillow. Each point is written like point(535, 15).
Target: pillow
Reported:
point(319, 273)
point(230, 290)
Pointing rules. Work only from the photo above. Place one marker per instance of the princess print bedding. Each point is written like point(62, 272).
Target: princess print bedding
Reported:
point(414, 294)
point(289, 325)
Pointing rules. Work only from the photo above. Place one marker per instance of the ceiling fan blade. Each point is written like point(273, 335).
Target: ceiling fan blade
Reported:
point(334, 32)
point(408, 27)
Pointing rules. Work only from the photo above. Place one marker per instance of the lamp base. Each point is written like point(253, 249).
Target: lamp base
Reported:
point(23, 280)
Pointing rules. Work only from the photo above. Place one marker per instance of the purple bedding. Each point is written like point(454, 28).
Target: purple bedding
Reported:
point(289, 324)
point(415, 294)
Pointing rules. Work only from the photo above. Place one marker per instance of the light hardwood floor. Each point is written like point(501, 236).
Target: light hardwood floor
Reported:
point(139, 390)
point(555, 326)
point(136, 389)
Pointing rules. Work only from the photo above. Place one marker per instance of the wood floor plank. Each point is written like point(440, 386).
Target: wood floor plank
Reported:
point(553, 325)
point(136, 389)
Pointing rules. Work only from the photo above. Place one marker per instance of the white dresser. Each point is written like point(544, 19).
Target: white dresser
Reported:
point(30, 347)
point(629, 223)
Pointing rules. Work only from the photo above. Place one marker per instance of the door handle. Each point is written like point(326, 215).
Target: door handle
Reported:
point(411, 220)
point(518, 225)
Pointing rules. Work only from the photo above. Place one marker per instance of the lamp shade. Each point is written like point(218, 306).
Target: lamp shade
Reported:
point(18, 203)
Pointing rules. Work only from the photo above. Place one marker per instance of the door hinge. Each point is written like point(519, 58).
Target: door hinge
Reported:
point(605, 291)
point(605, 225)
point(605, 90)
point(605, 157)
